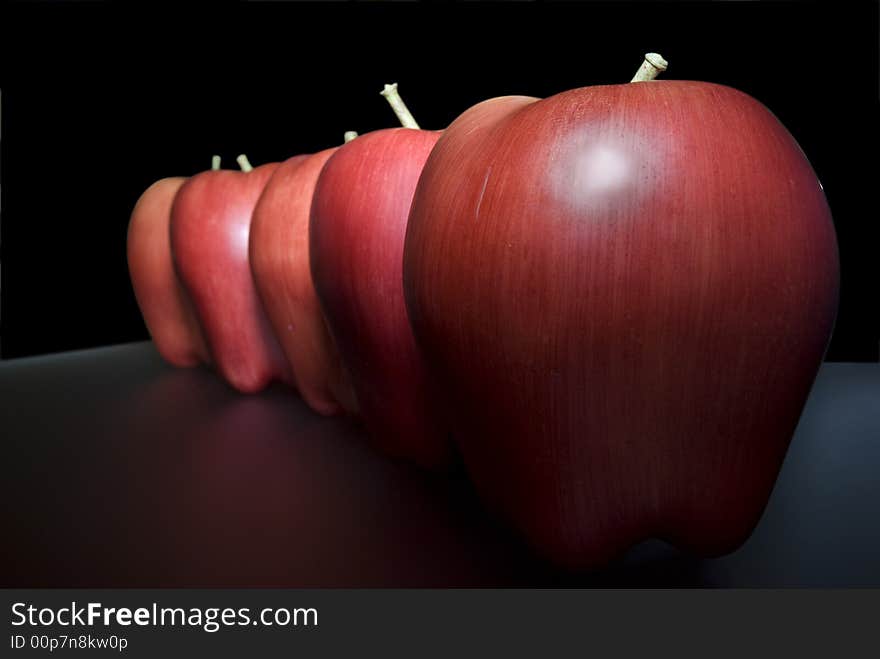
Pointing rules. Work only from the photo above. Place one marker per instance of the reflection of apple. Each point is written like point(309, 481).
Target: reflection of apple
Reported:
point(164, 305)
point(210, 224)
point(358, 224)
point(627, 291)
point(279, 256)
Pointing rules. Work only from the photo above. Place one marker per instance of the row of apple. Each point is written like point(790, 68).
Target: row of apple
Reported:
point(290, 272)
point(612, 302)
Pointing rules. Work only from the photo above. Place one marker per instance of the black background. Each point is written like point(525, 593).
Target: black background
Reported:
point(100, 100)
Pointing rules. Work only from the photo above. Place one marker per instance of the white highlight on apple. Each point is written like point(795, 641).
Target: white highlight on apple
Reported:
point(602, 168)
point(242, 237)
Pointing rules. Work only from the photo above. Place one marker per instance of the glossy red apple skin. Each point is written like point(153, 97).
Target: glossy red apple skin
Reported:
point(279, 253)
point(164, 305)
point(627, 291)
point(210, 226)
point(358, 226)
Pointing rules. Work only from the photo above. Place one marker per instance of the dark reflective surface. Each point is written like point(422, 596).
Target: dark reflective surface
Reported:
point(121, 471)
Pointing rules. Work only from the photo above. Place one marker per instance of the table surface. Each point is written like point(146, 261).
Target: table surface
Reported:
point(120, 471)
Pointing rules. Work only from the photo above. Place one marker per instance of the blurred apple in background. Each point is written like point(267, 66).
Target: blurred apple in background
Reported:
point(358, 225)
point(210, 226)
point(164, 305)
point(279, 254)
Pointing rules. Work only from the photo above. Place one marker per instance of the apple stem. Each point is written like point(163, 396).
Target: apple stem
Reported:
point(244, 163)
point(215, 163)
point(403, 114)
point(653, 66)
point(349, 136)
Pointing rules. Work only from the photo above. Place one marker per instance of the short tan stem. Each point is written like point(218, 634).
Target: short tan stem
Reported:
point(349, 136)
point(215, 163)
point(653, 66)
point(244, 163)
point(403, 114)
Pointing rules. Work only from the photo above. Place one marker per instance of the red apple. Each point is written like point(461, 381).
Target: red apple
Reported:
point(627, 291)
point(358, 225)
point(210, 225)
point(279, 255)
point(165, 306)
